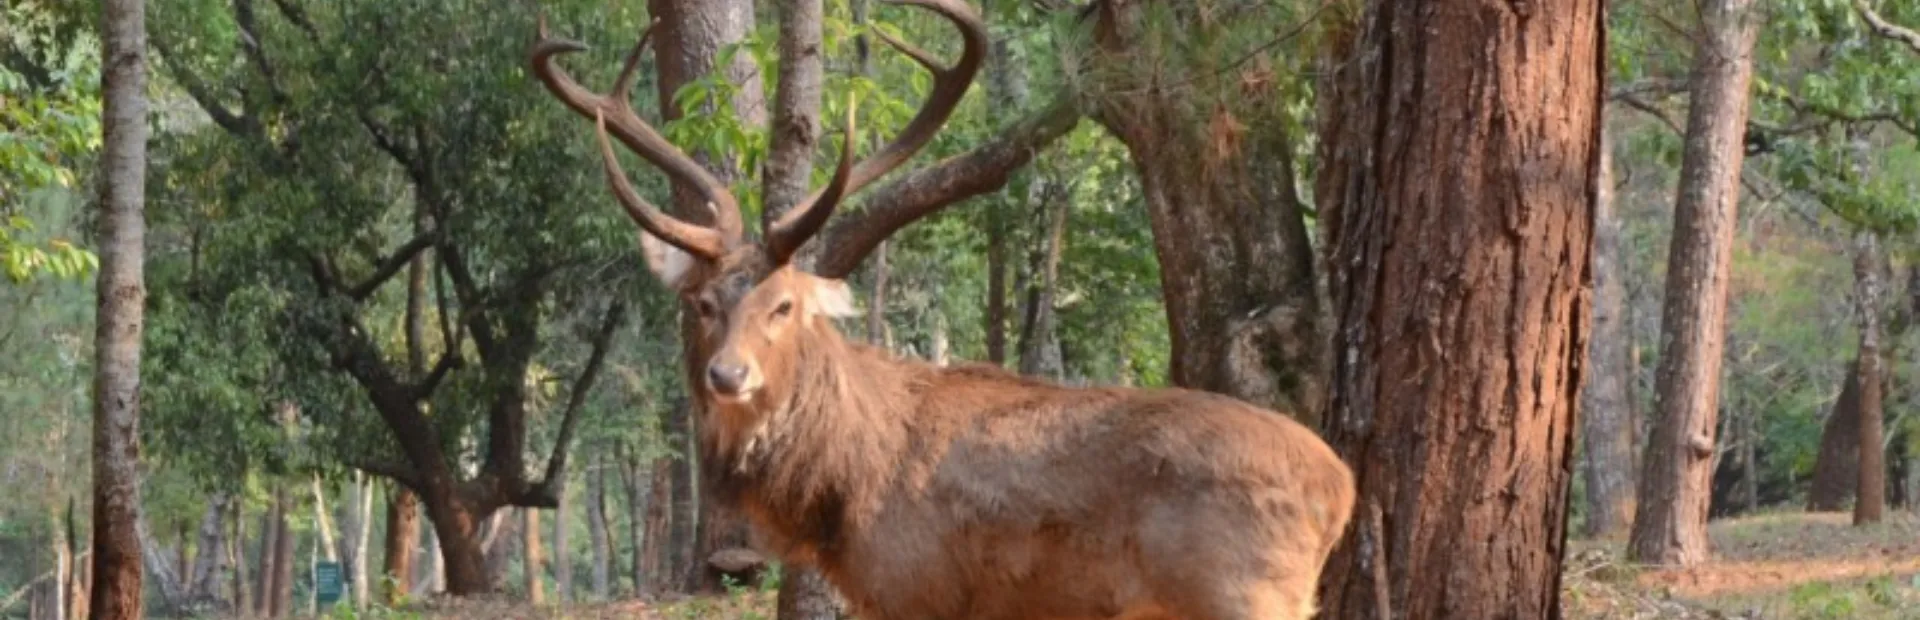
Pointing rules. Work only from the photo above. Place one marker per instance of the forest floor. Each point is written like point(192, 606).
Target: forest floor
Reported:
point(1770, 565)
point(1773, 565)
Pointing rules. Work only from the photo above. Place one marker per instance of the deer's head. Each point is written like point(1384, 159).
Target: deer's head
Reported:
point(754, 306)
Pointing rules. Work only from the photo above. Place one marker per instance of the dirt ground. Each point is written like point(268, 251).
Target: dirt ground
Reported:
point(1778, 565)
point(1785, 565)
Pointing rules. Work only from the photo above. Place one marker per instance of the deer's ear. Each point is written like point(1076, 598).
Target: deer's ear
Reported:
point(668, 263)
point(833, 299)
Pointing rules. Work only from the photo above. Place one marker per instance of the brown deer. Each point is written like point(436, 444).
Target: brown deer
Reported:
point(925, 492)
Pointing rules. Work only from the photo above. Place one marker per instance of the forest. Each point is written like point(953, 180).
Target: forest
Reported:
point(354, 308)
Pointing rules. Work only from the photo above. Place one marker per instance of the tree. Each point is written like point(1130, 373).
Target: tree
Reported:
point(1216, 170)
point(1670, 524)
point(1459, 272)
point(1606, 408)
point(1871, 505)
point(120, 311)
point(323, 120)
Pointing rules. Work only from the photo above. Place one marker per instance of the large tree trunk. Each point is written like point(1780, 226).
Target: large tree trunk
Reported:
point(1236, 269)
point(597, 530)
point(689, 36)
point(1670, 525)
point(457, 527)
point(1836, 467)
point(403, 534)
point(1873, 465)
point(1606, 421)
point(1459, 273)
point(119, 311)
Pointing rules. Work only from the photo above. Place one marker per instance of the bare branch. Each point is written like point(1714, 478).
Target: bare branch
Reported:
point(549, 486)
point(450, 360)
point(983, 169)
point(397, 472)
point(1887, 29)
point(393, 264)
point(1635, 102)
point(203, 95)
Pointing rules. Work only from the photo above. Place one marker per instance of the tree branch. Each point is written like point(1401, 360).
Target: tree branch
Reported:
point(1887, 29)
point(465, 290)
point(295, 14)
point(255, 51)
point(393, 264)
point(549, 488)
point(984, 169)
point(351, 347)
point(203, 95)
point(398, 472)
point(384, 140)
point(449, 360)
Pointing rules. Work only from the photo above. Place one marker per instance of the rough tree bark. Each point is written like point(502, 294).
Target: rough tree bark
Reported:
point(1606, 416)
point(1459, 275)
point(119, 313)
point(1670, 524)
point(1836, 467)
point(688, 38)
point(1243, 311)
point(1871, 505)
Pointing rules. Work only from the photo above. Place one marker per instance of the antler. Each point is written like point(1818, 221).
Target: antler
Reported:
point(613, 113)
point(804, 220)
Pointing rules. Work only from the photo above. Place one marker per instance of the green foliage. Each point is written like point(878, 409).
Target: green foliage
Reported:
point(49, 123)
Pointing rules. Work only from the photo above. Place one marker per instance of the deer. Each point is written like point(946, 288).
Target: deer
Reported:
point(964, 491)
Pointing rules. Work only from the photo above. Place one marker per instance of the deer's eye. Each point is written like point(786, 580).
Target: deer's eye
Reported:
point(785, 308)
point(706, 308)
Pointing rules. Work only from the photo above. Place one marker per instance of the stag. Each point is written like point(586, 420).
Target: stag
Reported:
point(926, 492)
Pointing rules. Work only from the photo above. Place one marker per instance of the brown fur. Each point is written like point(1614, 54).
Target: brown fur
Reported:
point(968, 492)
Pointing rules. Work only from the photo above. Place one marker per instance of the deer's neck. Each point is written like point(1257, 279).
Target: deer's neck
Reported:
point(812, 463)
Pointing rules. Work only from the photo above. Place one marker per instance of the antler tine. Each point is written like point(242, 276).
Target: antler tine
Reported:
point(949, 85)
point(697, 240)
point(801, 222)
point(614, 113)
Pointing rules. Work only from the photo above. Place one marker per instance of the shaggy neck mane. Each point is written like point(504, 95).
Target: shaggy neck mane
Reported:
point(819, 459)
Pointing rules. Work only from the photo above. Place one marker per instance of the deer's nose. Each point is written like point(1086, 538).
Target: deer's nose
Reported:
point(726, 379)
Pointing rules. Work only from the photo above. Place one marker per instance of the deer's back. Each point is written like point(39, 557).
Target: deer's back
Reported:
point(1021, 499)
